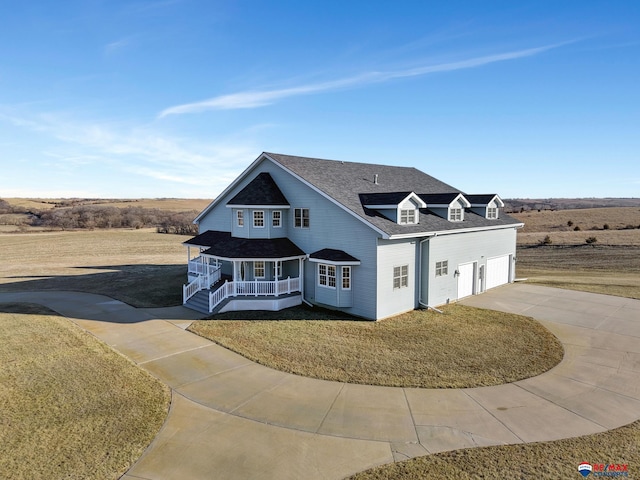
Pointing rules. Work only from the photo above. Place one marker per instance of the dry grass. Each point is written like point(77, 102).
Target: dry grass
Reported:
point(548, 460)
point(69, 406)
point(586, 218)
point(170, 204)
point(139, 267)
point(464, 347)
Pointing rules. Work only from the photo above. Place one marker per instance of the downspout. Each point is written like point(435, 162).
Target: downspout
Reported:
point(301, 275)
point(420, 302)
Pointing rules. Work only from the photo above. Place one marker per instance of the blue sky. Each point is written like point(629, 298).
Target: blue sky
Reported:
point(174, 98)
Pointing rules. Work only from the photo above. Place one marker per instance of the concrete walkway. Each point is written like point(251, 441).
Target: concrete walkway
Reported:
point(231, 418)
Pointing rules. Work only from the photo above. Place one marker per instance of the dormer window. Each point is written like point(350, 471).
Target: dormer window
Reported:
point(492, 212)
point(455, 214)
point(408, 216)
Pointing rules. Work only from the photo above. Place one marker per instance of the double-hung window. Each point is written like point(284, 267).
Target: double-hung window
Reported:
point(276, 219)
point(301, 218)
point(258, 218)
point(401, 276)
point(492, 212)
point(258, 269)
point(346, 278)
point(327, 275)
point(442, 268)
point(240, 218)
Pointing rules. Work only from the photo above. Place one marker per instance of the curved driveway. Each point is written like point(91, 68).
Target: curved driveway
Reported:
point(231, 418)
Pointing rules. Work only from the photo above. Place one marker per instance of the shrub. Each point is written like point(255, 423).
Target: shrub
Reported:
point(545, 241)
point(569, 223)
point(605, 226)
point(591, 240)
point(576, 228)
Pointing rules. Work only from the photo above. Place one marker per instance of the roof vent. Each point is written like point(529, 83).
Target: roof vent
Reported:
point(375, 179)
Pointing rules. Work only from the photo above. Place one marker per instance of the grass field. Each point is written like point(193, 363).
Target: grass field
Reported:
point(139, 267)
point(70, 407)
point(147, 262)
point(464, 347)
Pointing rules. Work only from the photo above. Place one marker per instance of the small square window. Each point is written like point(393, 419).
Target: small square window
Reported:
point(442, 268)
point(407, 216)
point(401, 276)
point(455, 214)
point(492, 212)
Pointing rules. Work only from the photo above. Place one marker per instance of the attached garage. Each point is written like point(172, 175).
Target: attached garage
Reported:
point(498, 269)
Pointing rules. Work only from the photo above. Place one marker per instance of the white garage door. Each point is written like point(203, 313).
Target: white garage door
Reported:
point(465, 280)
point(498, 271)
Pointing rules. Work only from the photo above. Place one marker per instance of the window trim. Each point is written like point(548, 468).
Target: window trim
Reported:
point(240, 218)
point(324, 276)
point(492, 213)
point(400, 276)
point(442, 268)
point(299, 221)
point(257, 219)
point(276, 222)
point(256, 268)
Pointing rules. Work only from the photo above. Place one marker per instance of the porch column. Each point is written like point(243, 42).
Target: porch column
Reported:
point(301, 275)
point(188, 255)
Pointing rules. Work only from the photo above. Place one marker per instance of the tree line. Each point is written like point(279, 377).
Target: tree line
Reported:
point(99, 216)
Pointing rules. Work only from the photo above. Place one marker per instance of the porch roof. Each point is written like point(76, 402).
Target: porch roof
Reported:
point(223, 245)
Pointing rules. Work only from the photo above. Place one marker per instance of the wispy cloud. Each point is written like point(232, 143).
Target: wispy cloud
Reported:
point(261, 98)
point(137, 150)
point(116, 46)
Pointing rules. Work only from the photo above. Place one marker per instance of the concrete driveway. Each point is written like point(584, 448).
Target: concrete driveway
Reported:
point(231, 418)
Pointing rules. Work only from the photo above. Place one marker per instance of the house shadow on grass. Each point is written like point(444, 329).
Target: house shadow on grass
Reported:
point(141, 286)
point(301, 312)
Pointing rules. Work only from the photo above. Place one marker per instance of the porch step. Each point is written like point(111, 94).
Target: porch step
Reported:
point(199, 302)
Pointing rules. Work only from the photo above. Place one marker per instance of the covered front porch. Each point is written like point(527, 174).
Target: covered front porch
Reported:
point(271, 282)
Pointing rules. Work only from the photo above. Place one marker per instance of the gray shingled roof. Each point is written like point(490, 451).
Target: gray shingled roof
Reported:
point(333, 255)
point(262, 190)
point(222, 244)
point(346, 181)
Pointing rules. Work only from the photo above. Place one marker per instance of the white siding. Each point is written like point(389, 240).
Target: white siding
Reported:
point(396, 253)
point(459, 249)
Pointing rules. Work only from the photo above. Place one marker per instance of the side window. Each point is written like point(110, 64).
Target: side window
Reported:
point(240, 218)
point(276, 219)
point(442, 268)
point(346, 278)
point(301, 218)
point(401, 276)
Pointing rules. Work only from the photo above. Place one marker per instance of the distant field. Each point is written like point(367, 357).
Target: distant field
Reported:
point(611, 265)
point(170, 204)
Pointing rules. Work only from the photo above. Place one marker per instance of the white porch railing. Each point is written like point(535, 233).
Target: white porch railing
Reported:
point(198, 267)
point(201, 282)
point(255, 288)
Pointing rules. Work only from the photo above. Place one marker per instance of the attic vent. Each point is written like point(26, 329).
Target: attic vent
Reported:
point(375, 179)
